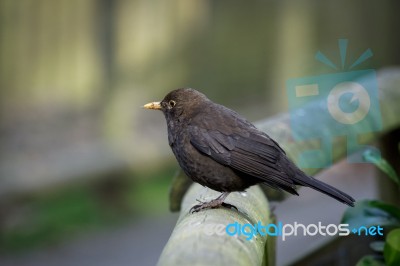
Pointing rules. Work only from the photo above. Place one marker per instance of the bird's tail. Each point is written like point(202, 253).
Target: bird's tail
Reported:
point(305, 180)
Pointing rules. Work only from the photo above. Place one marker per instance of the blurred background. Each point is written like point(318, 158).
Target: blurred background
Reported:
point(84, 171)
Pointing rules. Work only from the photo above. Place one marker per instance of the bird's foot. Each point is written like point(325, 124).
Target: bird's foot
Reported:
point(215, 203)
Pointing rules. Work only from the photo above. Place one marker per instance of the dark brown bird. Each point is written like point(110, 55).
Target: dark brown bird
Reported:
point(219, 149)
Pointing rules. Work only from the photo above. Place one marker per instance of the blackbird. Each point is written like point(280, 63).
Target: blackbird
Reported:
point(219, 149)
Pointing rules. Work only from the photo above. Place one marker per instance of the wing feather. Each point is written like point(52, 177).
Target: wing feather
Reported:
point(252, 154)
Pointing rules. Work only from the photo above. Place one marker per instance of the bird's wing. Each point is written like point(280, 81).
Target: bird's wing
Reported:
point(243, 148)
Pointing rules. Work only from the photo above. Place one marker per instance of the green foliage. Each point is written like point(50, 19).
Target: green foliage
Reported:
point(373, 212)
point(370, 261)
point(392, 248)
point(382, 164)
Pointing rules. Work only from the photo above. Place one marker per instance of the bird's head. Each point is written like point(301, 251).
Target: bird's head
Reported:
point(179, 104)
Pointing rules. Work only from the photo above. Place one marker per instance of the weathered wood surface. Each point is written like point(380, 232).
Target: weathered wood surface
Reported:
point(191, 242)
point(200, 238)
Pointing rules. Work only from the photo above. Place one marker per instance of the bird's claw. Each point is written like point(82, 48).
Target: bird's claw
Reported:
point(229, 206)
point(211, 205)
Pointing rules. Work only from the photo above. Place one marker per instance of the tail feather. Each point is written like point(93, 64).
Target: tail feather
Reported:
point(308, 181)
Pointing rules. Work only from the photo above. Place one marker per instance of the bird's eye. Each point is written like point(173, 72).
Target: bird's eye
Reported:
point(172, 103)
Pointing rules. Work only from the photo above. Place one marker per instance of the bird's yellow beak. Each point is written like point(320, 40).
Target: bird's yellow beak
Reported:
point(153, 105)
